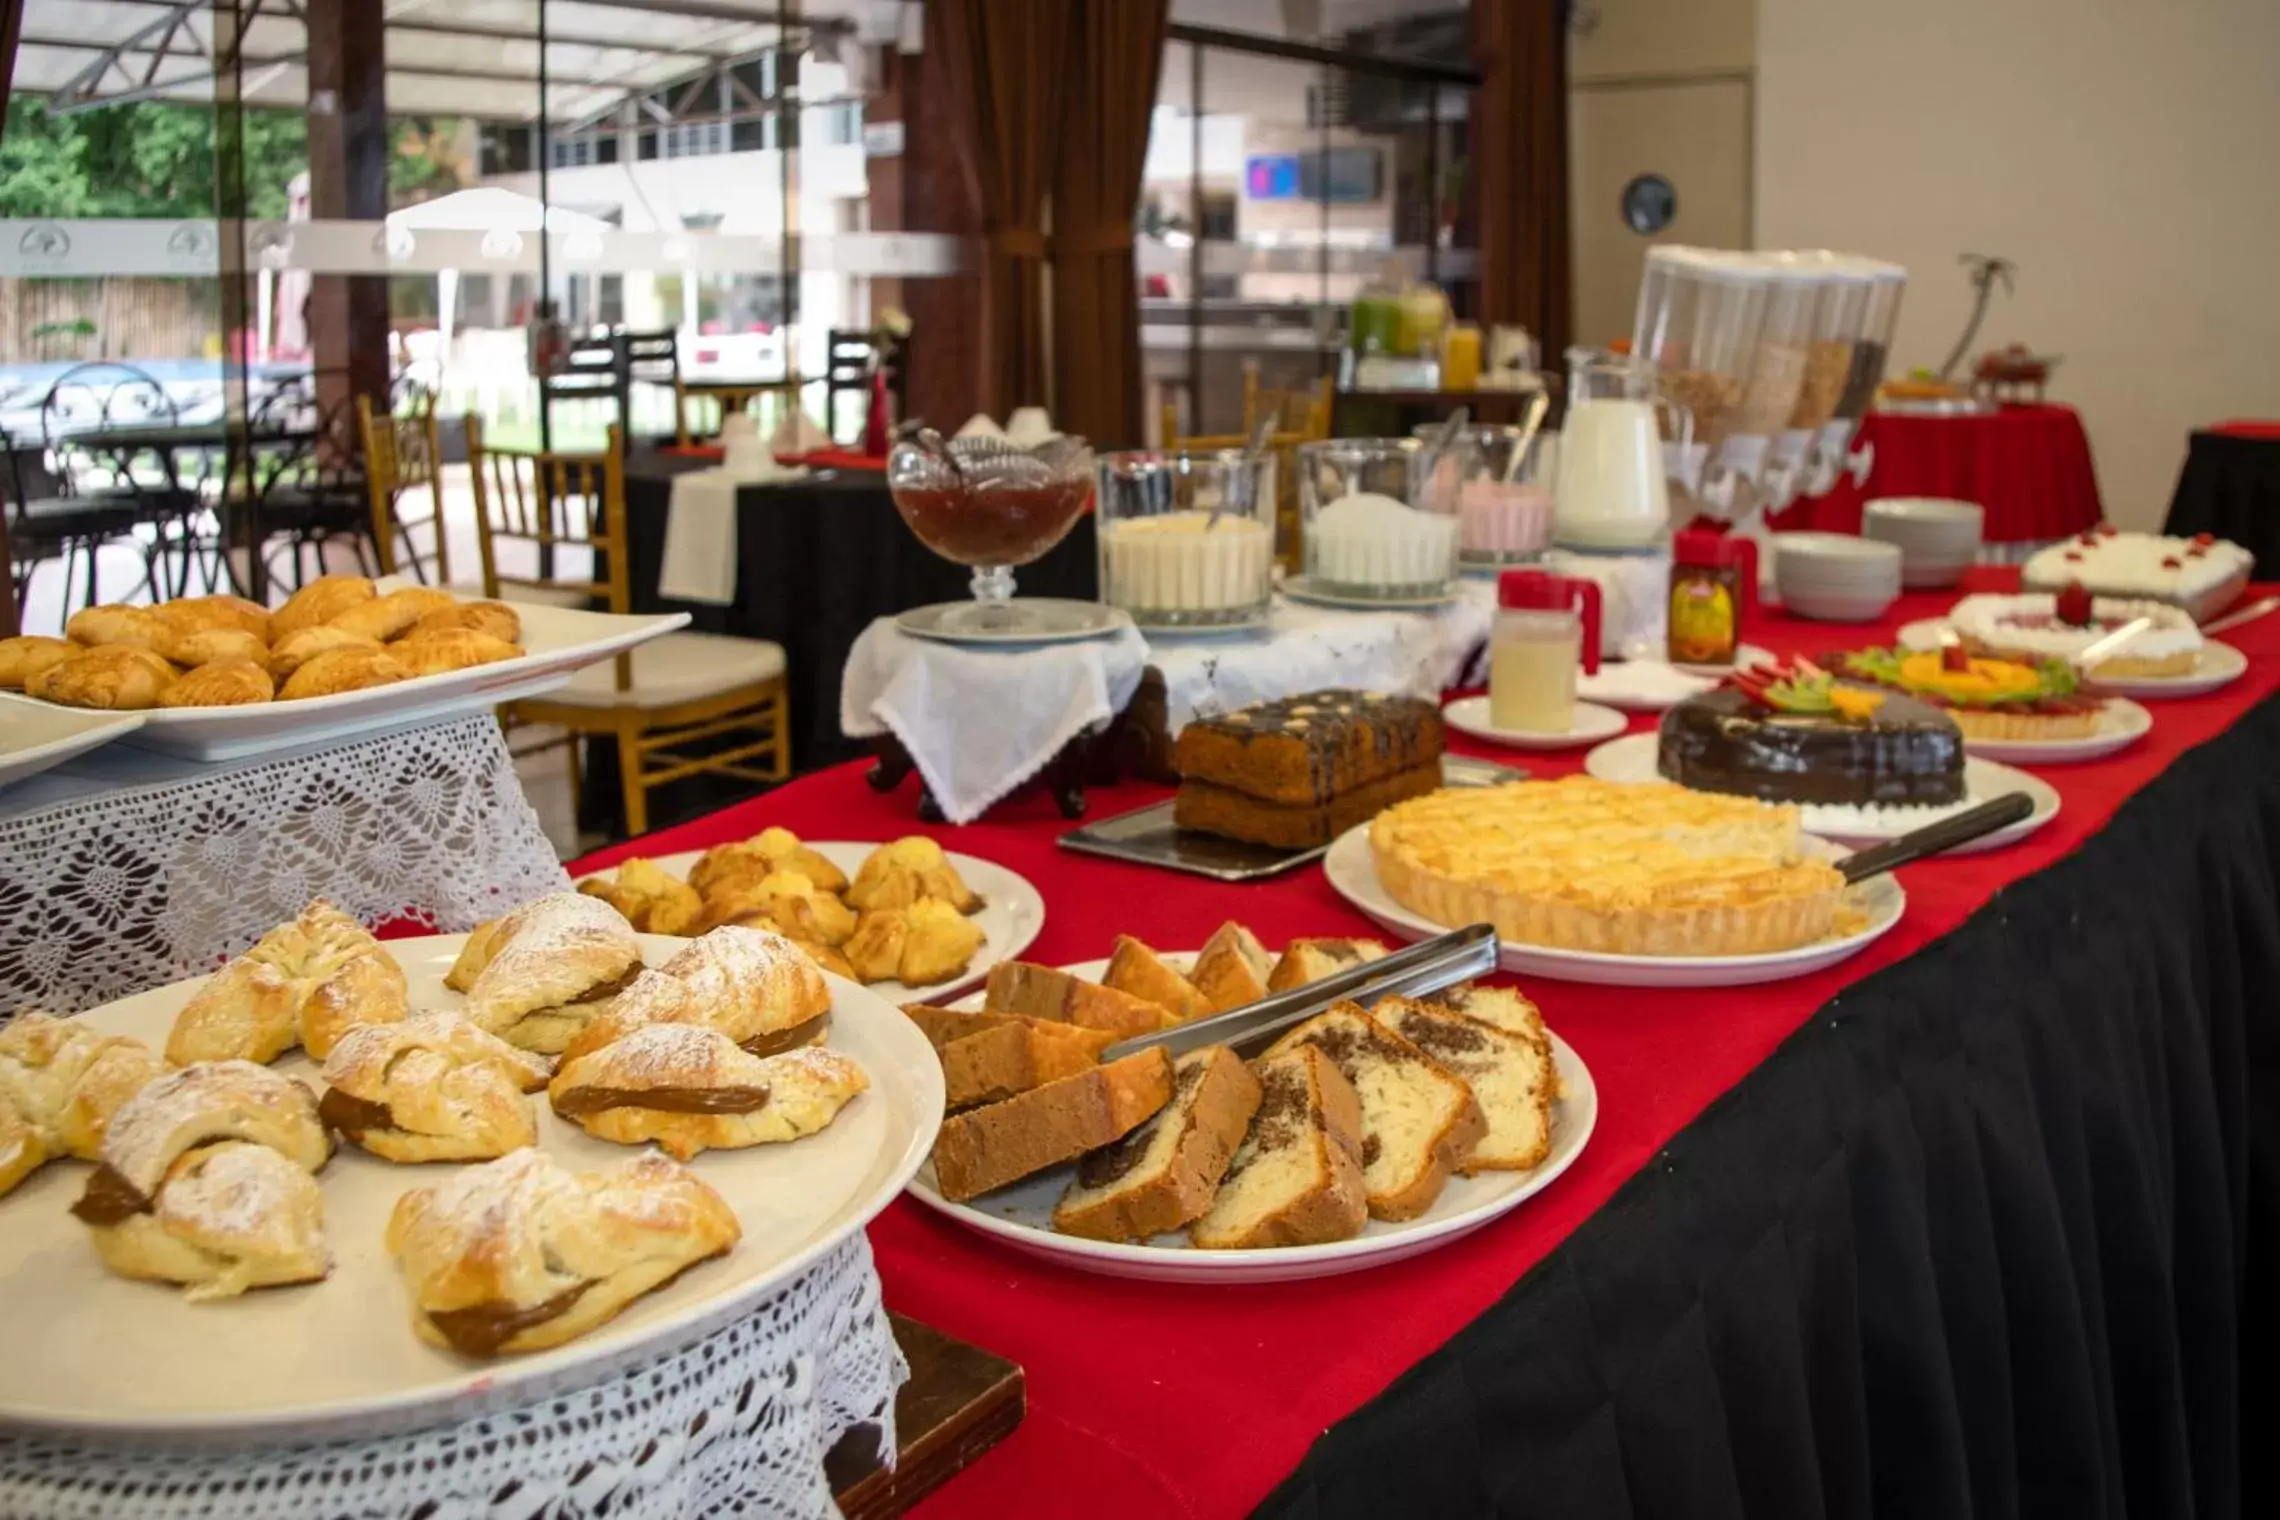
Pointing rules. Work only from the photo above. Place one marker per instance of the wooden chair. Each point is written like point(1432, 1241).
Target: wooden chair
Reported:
point(1282, 443)
point(401, 452)
point(673, 692)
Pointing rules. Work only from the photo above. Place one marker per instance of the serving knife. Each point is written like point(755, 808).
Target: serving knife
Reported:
point(2102, 649)
point(1933, 838)
point(2248, 614)
point(1427, 966)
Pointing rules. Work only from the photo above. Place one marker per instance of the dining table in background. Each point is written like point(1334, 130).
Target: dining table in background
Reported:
point(2028, 465)
point(2230, 486)
point(1965, 1224)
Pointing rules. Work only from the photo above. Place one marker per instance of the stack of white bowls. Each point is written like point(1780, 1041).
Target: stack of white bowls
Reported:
point(1835, 577)
point(1938, 539)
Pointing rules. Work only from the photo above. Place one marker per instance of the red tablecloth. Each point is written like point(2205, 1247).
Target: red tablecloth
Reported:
point(816, 459)
point(2029, 466)
point(1150, 1399)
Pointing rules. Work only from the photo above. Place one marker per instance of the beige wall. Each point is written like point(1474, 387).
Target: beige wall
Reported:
point(2115, 149)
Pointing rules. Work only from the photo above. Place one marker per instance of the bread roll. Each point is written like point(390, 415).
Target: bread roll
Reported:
point(224, 683)
point(320, 601)
point(339, 670)
point(121, 677)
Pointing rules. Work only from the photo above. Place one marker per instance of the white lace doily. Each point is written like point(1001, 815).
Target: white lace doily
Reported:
point(125, 870)
point(737, 1423)
point(979, 721)
point(1308, 648)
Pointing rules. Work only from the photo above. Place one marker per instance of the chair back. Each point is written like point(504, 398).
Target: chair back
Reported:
point(401, 451)
point(539, 514)
point(96, 398)
point(848, 358)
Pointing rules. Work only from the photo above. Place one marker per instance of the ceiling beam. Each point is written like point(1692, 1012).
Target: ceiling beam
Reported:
point(555, 36)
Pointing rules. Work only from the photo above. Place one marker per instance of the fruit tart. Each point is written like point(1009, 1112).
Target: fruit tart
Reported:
point(1988, 699)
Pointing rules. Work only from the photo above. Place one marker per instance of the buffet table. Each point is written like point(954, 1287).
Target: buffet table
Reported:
point(2230, 486)
point(2028, 465)
point(817, 560)
point(1959, 1224)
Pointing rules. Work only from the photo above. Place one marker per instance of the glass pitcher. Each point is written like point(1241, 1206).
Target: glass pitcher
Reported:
point(1546, 625)
point(1610, 491)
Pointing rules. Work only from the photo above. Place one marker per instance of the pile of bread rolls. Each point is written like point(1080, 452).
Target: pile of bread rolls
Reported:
point(338, 633)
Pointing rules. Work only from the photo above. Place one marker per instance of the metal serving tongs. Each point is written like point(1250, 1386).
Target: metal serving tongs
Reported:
point(1933, 838)
point(1428, 966)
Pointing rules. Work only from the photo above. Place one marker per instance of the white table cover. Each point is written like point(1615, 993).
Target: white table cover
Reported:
point(978, 722)
point(737, 1423)
point(125, 869)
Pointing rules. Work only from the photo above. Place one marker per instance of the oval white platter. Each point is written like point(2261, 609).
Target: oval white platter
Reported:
point(35, 736)
point(1632, 758)
point(2121, 723)
point(1353, 875)
point(1592, 723)
point(1022, 1215)
point(94, 1353)
point(1013, 911)
point(2220, 664)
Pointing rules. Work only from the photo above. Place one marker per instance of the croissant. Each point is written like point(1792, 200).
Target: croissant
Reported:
point(60, 1083)
point(26, 656)
point(691, 1089)
point(522, 1253)
point(757, 988)
point(320, 601)
point(432, 1088)
point(225, 683)
point(304, 983)
point(208, 1179)
point(545, 969)
point(120, 677)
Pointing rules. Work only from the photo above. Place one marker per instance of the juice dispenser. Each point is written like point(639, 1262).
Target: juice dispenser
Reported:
point(1832, 454)
point(1772, 382)
point(1840, 306)
point(1699, 317)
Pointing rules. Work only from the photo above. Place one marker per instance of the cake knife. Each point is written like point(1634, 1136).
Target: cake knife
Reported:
point(1427, 966)
point(1933, 838)
point(2248, 614)
point(2100, 650)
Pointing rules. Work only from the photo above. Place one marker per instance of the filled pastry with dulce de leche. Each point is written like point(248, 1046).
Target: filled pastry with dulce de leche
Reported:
point(757, 988)
point(538, 975)
point(690, 1089)
point(432, 1088)
point(522, 1253)
point(304, 983)
point(208, 1178)
point(60, 1084)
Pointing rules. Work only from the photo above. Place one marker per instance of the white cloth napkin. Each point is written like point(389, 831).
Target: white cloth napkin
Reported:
point(980, 425)
point(700, 539)
point(980, 721)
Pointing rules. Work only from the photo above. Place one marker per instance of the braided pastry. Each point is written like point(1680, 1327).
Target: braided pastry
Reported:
point(535, 977)
point(523, 1253)
point(60, 1083)
point(305, 983)
point(690, 1089)
point(208, 1179)
point(432, 1088)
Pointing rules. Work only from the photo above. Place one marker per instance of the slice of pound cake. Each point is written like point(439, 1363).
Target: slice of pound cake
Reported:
point(1232, 968)
point(1509, 1073)
point(1420, 1121)
point(1310, 960)
point(986, 1148)
point(1296, 1180)
point(1164, 1173)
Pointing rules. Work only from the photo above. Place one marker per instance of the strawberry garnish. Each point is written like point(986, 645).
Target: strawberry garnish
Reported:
point(2204, 539)
point(1956, 658)
point(2074, 605)
point(2198, 551)
point(2108, 530)
point(2074, 556)
point(2173, 563)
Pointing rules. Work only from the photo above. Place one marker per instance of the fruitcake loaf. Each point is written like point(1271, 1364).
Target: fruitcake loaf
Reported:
point(1302, 751)
point(1233, 814)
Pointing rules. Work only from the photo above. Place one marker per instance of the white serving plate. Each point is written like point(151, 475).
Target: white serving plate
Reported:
point(95, 1354)
point(1022, 1215)
point(559, 640)
point(1013, 912)
point(1353, 875)
point(2220, 664)
point(1590, 724)
point(1059, 620)
point(1653, 686)
point(2121, 723)
point(1302, 588)
point(1633, 758)
point(37, 735)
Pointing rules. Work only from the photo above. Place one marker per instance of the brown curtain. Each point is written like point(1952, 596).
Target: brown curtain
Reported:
point(1520, 169)
point(1004, 66)
point(1116, 54)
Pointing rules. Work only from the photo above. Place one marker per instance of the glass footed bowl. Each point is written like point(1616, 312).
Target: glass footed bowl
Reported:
point(992, 505)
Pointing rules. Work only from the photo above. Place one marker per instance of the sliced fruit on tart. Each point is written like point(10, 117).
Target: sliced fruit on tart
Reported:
point(1987, 698)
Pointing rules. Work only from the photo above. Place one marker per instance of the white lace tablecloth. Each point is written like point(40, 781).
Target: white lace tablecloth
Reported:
point(735, 1424)
point(124, 869)
point(978, 722)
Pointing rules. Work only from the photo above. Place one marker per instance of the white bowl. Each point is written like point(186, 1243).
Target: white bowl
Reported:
point(1832, 550)
point(1839, 608)
point(1926, 511)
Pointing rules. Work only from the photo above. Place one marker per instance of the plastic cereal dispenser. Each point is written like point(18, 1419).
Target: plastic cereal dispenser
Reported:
point(1833, 454)
point(1699, 320)
point(1840, 304)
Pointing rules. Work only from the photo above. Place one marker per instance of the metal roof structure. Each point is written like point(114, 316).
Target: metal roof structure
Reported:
point(477, 58)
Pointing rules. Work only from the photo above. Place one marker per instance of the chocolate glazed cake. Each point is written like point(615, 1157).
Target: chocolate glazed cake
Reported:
point(1905, 752)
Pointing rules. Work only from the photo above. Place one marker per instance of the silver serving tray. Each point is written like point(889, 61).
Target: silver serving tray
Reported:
point(1148, 836)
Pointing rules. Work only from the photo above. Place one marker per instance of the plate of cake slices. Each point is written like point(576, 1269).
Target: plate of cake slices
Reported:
point(1356, 1139)
point(1619, 884)
point(906, 918)
point(344, 1187)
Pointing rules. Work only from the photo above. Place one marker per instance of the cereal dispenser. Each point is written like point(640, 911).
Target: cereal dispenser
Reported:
point(1699, 319)
point(1733, 478)
point(1833, 454)
point(1840, 307)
